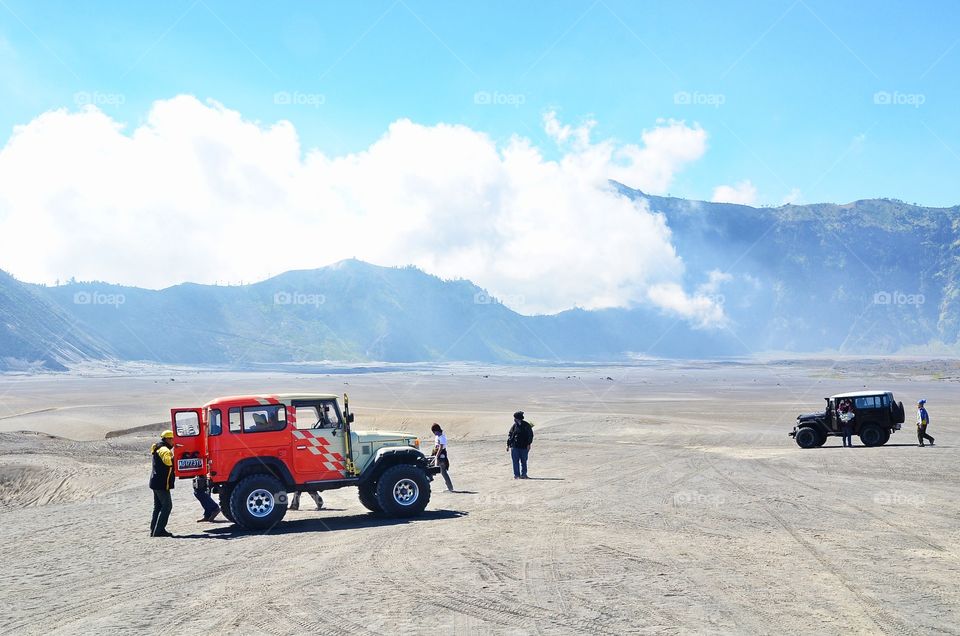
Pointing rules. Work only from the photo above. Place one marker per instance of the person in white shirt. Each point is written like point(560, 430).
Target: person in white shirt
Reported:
point(440, 453)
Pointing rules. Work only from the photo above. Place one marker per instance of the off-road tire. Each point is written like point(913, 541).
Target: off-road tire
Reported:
point(368, 497)
point(225, 503)
point(808, 437)
point(403, 490)
point(886, 437)
point(258, 502)
point(822, 439)
point(871, 435)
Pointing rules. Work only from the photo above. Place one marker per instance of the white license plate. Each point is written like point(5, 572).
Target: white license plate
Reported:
point(189, 464)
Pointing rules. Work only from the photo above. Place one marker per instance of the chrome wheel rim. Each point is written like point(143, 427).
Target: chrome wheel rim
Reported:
point(406, 492)
point(260, 502)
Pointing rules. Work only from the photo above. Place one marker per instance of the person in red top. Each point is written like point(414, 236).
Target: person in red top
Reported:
point(845, 415)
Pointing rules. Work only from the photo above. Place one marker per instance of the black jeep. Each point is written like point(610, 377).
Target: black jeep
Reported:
point(876, 417)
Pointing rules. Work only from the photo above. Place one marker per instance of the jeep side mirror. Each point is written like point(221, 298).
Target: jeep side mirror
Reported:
point(349, 418)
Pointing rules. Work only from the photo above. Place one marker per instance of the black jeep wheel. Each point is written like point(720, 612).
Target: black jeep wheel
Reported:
point(871, 435)
point(886, 436)
point(821, 439)
point(368, 497)
point(258, 502)
point(225, 503)
point(403, 490)
point(807, 437)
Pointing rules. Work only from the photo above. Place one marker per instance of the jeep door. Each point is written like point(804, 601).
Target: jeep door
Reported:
point(318, 446)
point(869, 410)
point(189, 442)
point(832, 419)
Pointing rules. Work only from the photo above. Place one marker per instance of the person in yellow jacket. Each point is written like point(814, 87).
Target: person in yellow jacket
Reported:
point(162, 481)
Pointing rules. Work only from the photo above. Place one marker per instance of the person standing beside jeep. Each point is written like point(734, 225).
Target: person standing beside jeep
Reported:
point(923, 419)
point(201, 490)
point(440, 454)
point(518, 443)
point(161, 483)
point(845, 415)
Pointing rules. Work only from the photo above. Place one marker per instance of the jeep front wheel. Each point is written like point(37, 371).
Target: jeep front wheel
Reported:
point(807, 437)
point(403, 490)
point(258, 502)
point(368, 497)
point(871, 435)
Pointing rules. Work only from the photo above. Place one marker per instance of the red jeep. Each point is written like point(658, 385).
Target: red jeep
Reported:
point(254, 449)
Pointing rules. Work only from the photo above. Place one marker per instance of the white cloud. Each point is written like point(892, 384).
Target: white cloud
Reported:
point(667, 149)
point(743, 193)
point(715, 278)
point(792, 197)
point(198, 193)
point(703, 310)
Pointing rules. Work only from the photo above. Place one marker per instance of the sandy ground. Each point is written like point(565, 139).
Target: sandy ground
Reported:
point(667, 499)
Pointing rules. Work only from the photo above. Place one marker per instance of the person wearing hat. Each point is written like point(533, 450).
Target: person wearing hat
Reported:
point(923, 418)
point(518, 443)
point(162, 481)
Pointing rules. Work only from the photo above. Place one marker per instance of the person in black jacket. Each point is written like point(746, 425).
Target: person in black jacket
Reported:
point(518, 443)
point(162, 481)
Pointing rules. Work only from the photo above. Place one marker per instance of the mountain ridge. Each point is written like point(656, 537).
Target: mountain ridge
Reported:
point(871, 276)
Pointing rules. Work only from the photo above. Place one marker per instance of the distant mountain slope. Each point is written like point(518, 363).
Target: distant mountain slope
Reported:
point(34, 333)
point(351, 310)
point(871, 277)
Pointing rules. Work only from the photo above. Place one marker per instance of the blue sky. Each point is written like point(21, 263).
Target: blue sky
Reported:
point(786, 90)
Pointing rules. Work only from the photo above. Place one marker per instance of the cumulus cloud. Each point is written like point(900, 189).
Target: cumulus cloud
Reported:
point(743, 193)
point(196, 192)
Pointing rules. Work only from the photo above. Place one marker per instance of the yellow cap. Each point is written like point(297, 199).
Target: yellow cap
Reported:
point(166, 435)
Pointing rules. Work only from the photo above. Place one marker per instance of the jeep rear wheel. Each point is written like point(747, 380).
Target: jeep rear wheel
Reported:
point(886, 437)
point(225, 504)
point(403, 490)
point(368, 497)
point(258, 502)
point(871, 435)
point(807, 437)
